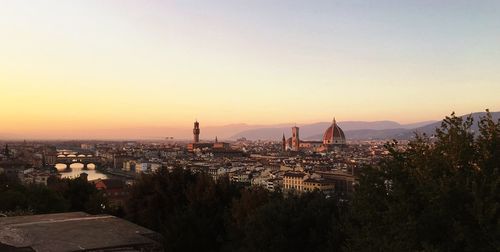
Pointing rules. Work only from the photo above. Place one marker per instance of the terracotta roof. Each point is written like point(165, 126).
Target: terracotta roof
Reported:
point(294, 174)
point(320, 181)
point(334, 132)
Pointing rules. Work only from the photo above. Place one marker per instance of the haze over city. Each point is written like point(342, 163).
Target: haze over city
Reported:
point(91, 67)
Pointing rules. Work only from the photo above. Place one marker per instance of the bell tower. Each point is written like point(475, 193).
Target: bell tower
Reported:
point(283, 143)
point(6, 151)
point(196, 132)
point(295, 138)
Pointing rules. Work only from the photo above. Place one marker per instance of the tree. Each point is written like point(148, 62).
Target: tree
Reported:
point(29, 199)
point(80, 195)
point(43, 200)
point(438, 194)
point(184, 207)
point(306, 222)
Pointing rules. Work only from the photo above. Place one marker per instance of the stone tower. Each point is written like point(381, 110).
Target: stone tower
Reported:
point(295, 138)
point(196, 132)
point(6, 151)
point(283, 143)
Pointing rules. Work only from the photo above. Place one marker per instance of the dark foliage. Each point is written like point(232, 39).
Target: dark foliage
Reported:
point(308, 222)
point(60, 196)
point(440, 194)
point(80, 195)
point(195, 213)
point(184, 207)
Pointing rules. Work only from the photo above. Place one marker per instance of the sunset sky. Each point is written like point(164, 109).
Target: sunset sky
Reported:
point(75, 65)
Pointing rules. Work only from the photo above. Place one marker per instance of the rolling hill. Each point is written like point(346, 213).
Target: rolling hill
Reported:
point(356, 130)
point(353, 129)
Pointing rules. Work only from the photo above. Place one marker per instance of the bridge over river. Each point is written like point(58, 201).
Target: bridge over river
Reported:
point(68, 158)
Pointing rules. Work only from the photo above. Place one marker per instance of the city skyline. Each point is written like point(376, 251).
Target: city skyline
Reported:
point(249, 125)
point(357, 130)
point(92, 66)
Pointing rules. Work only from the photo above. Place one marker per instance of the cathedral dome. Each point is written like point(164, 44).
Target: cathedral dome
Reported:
point(334, 135)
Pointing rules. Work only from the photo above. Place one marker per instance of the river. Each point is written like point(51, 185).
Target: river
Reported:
point(76, 169)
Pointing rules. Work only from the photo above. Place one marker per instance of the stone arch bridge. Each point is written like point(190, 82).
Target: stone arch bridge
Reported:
point(69, 158)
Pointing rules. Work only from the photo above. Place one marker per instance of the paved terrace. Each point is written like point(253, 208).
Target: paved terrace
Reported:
point(76, 231)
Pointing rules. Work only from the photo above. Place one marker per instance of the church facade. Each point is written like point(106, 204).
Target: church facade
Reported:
point(333, 137)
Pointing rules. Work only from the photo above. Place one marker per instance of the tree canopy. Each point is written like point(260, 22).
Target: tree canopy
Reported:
point(439, 194)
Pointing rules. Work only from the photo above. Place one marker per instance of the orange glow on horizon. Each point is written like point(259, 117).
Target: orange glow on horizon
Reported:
point(136, 66)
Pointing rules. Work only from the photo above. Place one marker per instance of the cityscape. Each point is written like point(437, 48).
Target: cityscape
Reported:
point(322, 165)
point(249, 126)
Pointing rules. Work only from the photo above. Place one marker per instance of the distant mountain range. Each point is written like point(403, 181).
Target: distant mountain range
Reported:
point(315, 131)
point(431, 128)
point(355, 130)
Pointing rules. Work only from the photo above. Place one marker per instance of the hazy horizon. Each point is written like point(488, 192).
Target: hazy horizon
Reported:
point(209, 132)
point(101, 66)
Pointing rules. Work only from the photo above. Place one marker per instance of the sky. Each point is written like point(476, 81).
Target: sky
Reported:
point(90, 65)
